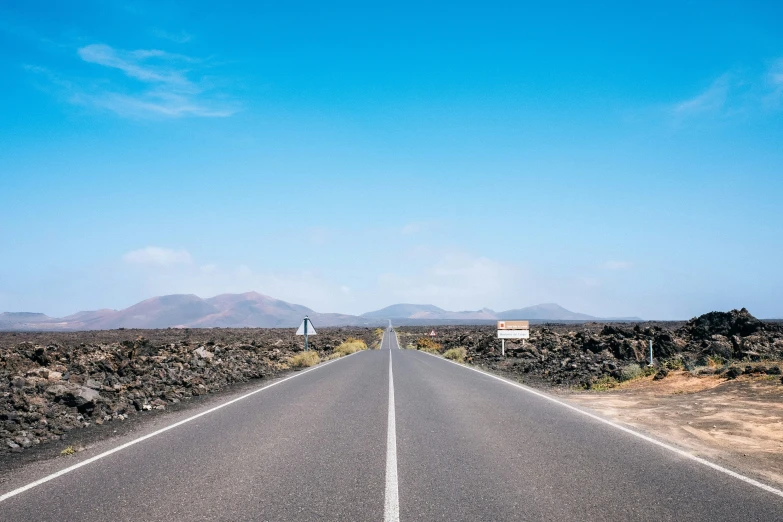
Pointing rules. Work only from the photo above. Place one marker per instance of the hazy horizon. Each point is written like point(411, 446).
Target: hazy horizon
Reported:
point(615, 160)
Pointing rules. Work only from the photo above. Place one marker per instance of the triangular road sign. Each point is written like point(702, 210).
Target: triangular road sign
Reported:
point(310, 327)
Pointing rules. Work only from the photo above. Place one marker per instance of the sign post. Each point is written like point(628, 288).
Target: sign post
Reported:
point(651, 353)
point(306, 328)
point(512, 330)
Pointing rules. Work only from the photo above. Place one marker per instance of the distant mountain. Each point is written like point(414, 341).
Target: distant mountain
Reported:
point(185, 310)
point(428, 312)
point(256, 310)
point(403, 310)
point(546, 311)
point(421, 314)
point(8, 319)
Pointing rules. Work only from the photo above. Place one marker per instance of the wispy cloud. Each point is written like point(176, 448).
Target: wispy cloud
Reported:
point(411, 228)
point(617, 265)
point(136, 64)
point(180, 37)
point(153, 84)
point(711, 101)
point(736, 93)
point(451, 278)
point(775, 82)
point(157, 256)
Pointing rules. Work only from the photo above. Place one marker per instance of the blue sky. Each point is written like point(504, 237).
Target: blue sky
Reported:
point(616, 160)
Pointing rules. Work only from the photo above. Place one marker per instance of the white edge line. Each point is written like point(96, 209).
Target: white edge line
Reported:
point(78, 465)
point(391, 509)
point(664, 445)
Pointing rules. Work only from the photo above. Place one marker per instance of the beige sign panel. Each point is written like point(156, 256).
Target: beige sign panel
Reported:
point(513, 325)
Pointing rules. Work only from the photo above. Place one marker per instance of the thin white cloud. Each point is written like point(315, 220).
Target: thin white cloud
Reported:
point(410, 229)
point(736, 94)
point(135, 64)
point(157, 256)
point(154, 84)
point(452, 279)
point(710, 101)
point(180, 37)
point(775, 83)
point(618, 265)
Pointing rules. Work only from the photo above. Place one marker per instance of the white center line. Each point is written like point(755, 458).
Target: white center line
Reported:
point(392, 504)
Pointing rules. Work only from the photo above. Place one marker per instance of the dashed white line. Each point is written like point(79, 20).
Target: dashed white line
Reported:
point(642, 436)
point(391, 512)
point(78, 465)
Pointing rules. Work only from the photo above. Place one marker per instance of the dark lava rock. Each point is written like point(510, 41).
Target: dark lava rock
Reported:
point(733, 373)
point(51, 383)
point(662, 373)
point(736, 322)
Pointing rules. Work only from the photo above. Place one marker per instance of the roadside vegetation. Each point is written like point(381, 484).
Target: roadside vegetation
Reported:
point(456, 354)
point(426, 344)
point(379, 335)
point(304, 359)
point(351, 345)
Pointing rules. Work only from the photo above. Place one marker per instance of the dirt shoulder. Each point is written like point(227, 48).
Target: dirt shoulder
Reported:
point(738, 423)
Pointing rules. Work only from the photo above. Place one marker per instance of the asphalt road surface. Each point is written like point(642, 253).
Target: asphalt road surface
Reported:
point(386, 435)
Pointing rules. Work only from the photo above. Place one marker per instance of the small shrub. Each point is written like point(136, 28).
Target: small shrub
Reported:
point(674, 364)
point(662, 373)
point(304, 359)
point(68, 451)
point(456, 354)
point(428, 345)
point(715, 361)
point(350, 346)
point(606, 382)
point(632, 371)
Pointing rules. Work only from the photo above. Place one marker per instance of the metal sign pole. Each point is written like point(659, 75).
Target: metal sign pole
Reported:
point(503, 347)
point(651, 354)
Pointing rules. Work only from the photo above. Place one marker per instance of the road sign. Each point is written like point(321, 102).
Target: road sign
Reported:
point(513, 325)
point(306, 328)
point(513, 334)
point(432, 333)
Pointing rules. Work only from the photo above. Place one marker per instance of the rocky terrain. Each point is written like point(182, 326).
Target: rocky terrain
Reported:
point(594, 354)
point(52, 383)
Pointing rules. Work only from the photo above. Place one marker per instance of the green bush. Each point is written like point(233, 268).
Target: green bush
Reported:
point(456, 354)
point(604, 383)
point(632, 371)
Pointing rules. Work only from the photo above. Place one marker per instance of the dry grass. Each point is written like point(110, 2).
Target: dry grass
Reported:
point(68, 451)
point(604, 383)
point(350, 346)
point(456, 354)
point(304, 359)
point(428, 345)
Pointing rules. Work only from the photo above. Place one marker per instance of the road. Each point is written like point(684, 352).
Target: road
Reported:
point(456, 445)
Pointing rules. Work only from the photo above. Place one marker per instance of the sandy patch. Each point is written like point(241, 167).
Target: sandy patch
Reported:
point(736, 423)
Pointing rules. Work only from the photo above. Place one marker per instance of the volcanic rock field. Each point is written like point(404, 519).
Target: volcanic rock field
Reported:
point(591, 354)
point(52, 383)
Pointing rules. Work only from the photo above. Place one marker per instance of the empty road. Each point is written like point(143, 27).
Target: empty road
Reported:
point(386, 435)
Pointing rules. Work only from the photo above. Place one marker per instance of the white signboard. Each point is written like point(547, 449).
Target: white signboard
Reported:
point(513, 334)
point(310, 328)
